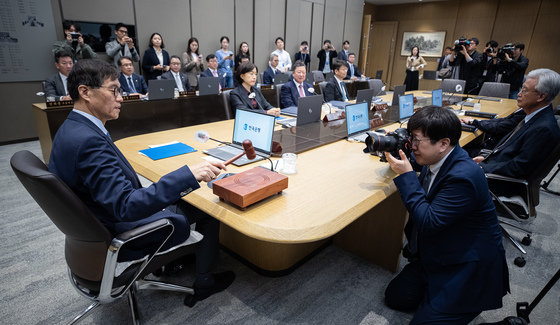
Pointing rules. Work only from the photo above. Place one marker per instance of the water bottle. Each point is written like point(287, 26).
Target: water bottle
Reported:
point(176, 93)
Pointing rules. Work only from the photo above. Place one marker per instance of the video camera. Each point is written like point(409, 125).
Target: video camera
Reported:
point(508, 48)
point(394, 141)
point(461, 42)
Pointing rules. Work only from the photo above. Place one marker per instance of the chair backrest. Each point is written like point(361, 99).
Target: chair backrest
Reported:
point(227, 104)
point(495, 89)
point(87, 239)
point(322, 86)
point(278, 90)
point(376, 85)
point(379, 74)
point(448, 85)
point(318, 76)
point(260, 77)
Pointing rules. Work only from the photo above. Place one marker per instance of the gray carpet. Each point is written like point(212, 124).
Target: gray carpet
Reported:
point(334, 287)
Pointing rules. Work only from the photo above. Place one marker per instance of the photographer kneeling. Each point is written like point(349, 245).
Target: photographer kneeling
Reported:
point(457, 263)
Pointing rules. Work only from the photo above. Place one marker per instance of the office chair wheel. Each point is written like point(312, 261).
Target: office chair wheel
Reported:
point(526, 240)
point(190, 300)
point(520, 261)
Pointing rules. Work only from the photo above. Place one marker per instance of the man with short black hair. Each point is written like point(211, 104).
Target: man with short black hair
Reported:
point(212, 71)
point(326, 56)
point(272, 70)
point(122, 46)
point(353, 72)
point(74, 42)
point(174, 73)
point(516, 67)
point(457, 264)
point(343, 55)
point(335, 88)
point(284, 59)
point(295, 88)
point(131, 83)
point(469, 63)
point(85, 158)
point(57, 85)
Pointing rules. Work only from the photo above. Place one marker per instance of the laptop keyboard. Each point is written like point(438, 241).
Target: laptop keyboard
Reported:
point(359, 137)
point(289, 122)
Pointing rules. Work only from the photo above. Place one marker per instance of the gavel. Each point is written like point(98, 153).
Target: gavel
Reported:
point(247, 149)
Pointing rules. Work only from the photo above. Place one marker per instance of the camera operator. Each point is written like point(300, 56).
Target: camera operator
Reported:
point(490, 53)
point(303, 54)
point(516, 66)
point(469, 62)
point(326, 56)
point(73, 43)
point(457, 266)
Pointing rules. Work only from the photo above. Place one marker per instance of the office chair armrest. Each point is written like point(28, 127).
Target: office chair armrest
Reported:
point(506, 179)
point(142, 230)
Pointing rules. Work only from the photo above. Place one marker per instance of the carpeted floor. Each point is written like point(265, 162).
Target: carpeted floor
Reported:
point(334, 287)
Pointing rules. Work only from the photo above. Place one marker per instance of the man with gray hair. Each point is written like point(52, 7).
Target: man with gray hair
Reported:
point(521, 151)
point(268, 75)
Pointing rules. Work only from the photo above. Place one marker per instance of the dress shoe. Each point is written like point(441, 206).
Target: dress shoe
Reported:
point(221, 282)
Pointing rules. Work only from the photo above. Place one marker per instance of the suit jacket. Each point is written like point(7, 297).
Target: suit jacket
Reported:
point(459, 239)
point(268, 76)
point(208, 73)
point(93, 167)
point(471, 71)
point(342, 55)
point(191, 69)
point(113, 50)
point(55, 87)
point(500, 126)
point(527, 148)
point(240, 99)
point(356, 71)
point(332, 91)
point(184, 80)
point(289, 94)
point(322, 55)
point(150, 59)
point(515, 72)
point(306, 58)
point(139, 83)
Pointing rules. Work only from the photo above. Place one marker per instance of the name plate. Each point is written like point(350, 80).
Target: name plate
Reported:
point(187, 93)
point(59, 103)
point(380, 107)
point(131, 97)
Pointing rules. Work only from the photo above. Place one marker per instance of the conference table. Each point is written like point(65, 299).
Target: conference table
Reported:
point(338, 194)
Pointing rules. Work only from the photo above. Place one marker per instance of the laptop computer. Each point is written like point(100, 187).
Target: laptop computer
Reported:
point(161, 89)
point(208, 86)
point(308, 111)
point(281, 78)
point(398, 92)
point(437, 97)
point(365, 95)
point(252, 125)
point(429, 75)
point(357, 121)
point(406, 106)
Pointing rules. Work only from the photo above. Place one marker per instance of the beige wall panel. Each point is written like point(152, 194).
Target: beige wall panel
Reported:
point(353, 24)
point(514, 21)
point(334, 20)
point(244, 25)
point(316, 34)
point(212, 19)
point(269, 24)
point(476, 19)
point(298, 24)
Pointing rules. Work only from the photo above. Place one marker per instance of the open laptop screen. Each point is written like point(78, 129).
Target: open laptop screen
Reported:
point(357, 119)
point(406, 106)
point(437, 97)
point(257, 127)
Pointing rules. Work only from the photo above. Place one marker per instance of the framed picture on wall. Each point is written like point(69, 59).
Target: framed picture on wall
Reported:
point(429, 43)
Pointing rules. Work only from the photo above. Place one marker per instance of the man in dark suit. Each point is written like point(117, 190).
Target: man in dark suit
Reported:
point(131, 83)
point(268, 75)
point(85, 158)
point(181, 81)
point(457, 262)
point(56, 85)
point(295, 88)
point(345, 52)
point(353, 72)
point(326, 57)
point(529, 143)
point(470, 66)
point(335, 88)
point(212, 71)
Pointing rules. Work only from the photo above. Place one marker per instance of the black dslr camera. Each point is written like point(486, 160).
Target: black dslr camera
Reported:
point(392, 142)
point(461, 42)
point(508, 48)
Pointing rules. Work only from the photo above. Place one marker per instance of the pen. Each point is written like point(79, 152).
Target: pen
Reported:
point(275, 166)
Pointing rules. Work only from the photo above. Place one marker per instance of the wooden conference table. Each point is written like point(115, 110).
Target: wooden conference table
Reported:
point(338, 193)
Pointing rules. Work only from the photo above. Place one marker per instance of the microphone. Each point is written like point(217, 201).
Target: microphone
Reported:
point(458, 88)
point(248, 149)
point(469, 93)
point(203, 136)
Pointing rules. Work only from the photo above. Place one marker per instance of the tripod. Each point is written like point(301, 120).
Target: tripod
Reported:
point(545, 184)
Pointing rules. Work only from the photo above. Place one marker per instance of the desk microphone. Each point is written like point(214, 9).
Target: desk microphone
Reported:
point(458, 88)
point(469, 93)
point(248, 149)
point(203, 136)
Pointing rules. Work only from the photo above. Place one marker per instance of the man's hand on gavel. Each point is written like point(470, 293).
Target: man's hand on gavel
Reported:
point(207, 170)
point(248, 149)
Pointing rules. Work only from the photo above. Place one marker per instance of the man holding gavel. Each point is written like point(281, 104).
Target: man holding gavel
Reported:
point(85, 158)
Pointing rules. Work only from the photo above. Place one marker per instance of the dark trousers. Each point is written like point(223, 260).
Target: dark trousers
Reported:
point(408, 291)
point(411, 80)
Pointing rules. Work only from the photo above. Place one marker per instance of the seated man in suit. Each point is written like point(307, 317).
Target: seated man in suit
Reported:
point(56, 85)
point(295, 88)
point(353, 72)
point(175, 73)
point(521, 151)
point(457, 263)
point(86, 159)
point(131, 83)
point(268, 75)
point(335, 88)
point(212, 71)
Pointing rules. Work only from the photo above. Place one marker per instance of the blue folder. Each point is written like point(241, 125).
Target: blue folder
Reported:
point(167, 151)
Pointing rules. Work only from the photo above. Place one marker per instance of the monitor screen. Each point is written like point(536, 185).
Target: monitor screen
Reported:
point(257, 127)
point(437, 97)
point(406, 106)
point(357, 118)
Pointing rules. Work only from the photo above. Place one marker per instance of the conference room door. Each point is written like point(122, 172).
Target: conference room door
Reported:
point(383, 38)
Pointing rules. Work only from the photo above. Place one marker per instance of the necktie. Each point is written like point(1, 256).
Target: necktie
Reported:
point(351, 70)
point(342, 91)
point(501, 145)
point(413, 242)
point(426, 181)
point(131, 86)
point(301, 93)
point(179, 83)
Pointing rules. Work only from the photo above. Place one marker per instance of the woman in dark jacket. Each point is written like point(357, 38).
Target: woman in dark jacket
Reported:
point(155, 60)
point(246, 95)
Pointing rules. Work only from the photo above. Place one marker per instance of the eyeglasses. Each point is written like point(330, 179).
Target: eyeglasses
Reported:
point(416, 141)
point(122, 31)
point(116, 91)
point(525, 90)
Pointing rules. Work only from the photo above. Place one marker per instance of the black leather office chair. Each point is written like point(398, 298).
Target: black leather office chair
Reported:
point(449, 85)
point(527, 190)
point(322, 86)
point(318, 76)
point(90, 250)
point(379, 74)
point(278, 91)
point(227, 104)
point(376, 85)
point(495, 89)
